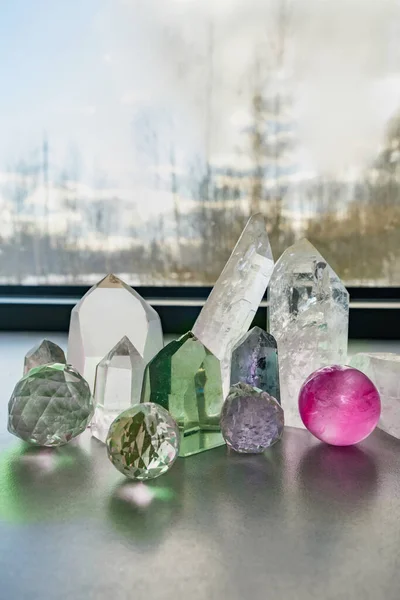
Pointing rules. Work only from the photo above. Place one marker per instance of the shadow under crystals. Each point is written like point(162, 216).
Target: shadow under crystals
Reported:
point(143, 511)
point(343, 476)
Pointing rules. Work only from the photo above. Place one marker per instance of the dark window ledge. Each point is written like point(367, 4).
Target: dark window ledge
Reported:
point(374, 312)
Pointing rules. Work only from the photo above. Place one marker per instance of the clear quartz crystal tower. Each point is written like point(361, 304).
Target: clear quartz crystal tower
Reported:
point(110, 310)
point(235, 298)
point(308, 316)
point(118, 384)
point(384, 371)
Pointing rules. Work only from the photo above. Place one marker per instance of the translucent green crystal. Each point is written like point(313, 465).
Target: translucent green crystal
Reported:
point(185, 378)
point(50, 405)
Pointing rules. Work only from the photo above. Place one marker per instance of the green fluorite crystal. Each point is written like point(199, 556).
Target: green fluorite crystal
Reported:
point(185, 378)
point(50, 405)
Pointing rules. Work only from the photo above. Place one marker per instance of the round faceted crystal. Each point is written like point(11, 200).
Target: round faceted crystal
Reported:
point(143, 442)
point(339, 405)
point(50, 405)
point(251, 420)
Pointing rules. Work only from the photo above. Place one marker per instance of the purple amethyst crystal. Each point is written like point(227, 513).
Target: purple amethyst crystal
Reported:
point(251, 420)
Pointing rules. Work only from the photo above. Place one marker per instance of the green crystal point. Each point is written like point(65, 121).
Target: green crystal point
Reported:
point(185, 379)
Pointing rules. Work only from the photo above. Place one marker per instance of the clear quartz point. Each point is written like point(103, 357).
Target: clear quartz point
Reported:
point(44, 353)
point(308, 317)
point(118, 385)
point(235, 298)
point(110, 310)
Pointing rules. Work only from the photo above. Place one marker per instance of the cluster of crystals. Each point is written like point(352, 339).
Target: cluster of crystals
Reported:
point(115, 342)
point(251, 420)
point(384, 370)
point(143, 442)
point(50, 405)
point(308, 316)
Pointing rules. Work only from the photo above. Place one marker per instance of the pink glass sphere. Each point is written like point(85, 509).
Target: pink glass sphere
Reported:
point(339, 405)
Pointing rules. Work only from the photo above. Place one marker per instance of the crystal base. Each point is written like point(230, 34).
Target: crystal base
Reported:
point(199, 441)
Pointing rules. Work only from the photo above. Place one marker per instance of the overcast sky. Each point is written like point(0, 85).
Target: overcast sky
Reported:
point(110, 80)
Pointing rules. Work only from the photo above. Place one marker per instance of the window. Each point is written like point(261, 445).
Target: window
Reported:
point(138, 135)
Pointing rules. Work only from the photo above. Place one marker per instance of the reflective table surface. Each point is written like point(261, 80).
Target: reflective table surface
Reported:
point(303, 521)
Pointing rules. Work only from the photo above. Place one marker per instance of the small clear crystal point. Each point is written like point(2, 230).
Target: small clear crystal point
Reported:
point(118, 383)
point(110, 310)
point(44, 353)
point(308, 316)
point(235, 298)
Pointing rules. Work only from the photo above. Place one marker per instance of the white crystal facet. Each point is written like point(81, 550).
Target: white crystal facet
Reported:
point(384, 371)
point(235, 298)
point(308, 316)
point(118, 383)
point(109, 311)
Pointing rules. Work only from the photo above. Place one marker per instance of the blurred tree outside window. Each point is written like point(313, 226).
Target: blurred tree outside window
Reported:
point(137, 136)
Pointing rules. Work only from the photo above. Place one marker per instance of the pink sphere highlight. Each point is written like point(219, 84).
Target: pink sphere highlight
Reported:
point(339, 405)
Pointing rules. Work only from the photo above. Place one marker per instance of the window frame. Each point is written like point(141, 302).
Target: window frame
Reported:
point(374, 311)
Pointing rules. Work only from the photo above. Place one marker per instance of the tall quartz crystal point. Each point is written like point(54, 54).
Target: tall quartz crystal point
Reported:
point(235, 298)
point(384, 371)
point(308, 316)
point(118, 384)
point(110, 310)
point(44, 353)
point(185, 379)
point(255, 362)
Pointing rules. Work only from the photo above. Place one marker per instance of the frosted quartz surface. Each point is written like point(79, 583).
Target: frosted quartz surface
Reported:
point(308, 317)
point(110, 310)
point(384, 370)
point(235, 298)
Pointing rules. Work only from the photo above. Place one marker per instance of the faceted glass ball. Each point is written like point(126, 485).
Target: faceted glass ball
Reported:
point(50, 405)
point(339, 405)
point(143, 441)
point(251, 420)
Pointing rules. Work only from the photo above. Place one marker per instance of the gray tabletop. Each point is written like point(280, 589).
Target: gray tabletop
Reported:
point(303, 521)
